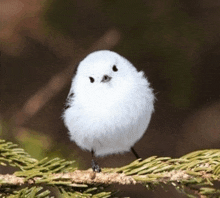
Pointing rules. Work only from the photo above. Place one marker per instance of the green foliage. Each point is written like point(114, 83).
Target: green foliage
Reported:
point(193, 174)
point(44, 170)
point(197, 170)
point(14, 156)
point(34, 192)
point(30, 140)
point(93, 192)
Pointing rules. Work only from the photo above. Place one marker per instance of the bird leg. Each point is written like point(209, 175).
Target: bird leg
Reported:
point(135, 153)
point(95, 166)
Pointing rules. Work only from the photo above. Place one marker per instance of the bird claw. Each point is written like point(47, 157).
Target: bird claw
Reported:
point(95, 167)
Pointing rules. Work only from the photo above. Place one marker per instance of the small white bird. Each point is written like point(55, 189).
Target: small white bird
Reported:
point(109, 105)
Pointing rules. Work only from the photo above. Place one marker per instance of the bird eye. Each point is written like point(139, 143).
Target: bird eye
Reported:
point(114, 68)
point(91, 79)
point(71, 95)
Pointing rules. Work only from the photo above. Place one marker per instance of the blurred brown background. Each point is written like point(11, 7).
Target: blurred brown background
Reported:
point(176, 43)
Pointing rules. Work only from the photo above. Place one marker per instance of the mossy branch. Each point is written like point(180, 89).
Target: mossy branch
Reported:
point(193, 173)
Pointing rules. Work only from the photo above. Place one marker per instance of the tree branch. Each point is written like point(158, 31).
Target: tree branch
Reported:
point(194, 173)
point(76, 178)
point(90, 177)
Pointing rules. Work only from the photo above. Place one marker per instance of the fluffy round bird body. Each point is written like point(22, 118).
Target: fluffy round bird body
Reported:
point(109, 104)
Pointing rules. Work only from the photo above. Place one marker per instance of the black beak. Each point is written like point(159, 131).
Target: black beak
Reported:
point(106, 78)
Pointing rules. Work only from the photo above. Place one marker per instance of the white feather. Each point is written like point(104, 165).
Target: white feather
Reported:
point(108, 117)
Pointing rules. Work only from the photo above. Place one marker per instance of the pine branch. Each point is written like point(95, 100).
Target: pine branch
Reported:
point(17, 157)
point(77, 178)
point(30, 192)
point(193, 174)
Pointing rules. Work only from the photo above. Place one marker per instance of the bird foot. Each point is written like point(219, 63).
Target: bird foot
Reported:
point(95, 167)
